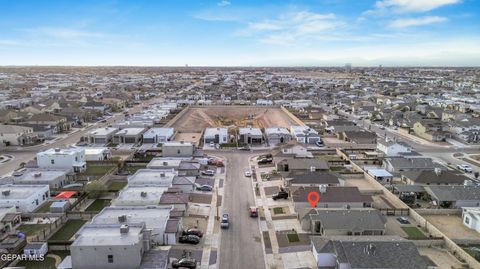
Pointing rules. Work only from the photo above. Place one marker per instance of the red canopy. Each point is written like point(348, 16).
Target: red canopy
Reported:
point(65, 194)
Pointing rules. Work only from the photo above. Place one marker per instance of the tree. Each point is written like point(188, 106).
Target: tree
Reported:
point(95, 189)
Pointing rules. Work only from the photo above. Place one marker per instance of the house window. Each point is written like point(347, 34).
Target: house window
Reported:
point(467, 220)
point(110, 258)
point(52, 161)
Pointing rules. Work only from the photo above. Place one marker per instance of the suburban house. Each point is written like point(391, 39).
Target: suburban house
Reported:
point(278, 135)
point(154, 218)
point(291, 164)
point(216, 135)
point(358, 137)
point(9, 220)
point(331, 197)
point(399, 164)
point(381, 175)
point(177, 149)
point(100, 136)
point(158, 135)
point(139, 195)
point(97, 154)
point(250, 135)
point(55, 178)
point(60, 122)
point(471, 217)
point(374, 252)
point(13, 135)
point(358, 221)
point(311, 178)
point(431, 130)
point(129, 136)
point(163, 177)
point(437, 176)
point(25, 198)
point(450, 196)
point(391, 148)
point(114, 246)
point(56, 158)
point(304, 134)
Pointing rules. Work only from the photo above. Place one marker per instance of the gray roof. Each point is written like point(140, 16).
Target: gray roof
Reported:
point(331, 195)
point(306, 164)
point(454, 192)
point(349, 219)
point(372, 252)
point(432, 177)
point(412, 163)
point(309, 177)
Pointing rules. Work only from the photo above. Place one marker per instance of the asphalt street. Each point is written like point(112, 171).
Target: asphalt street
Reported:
point(241, 245)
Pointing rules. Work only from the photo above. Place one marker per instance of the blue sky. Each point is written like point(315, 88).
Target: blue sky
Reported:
point(240, 33)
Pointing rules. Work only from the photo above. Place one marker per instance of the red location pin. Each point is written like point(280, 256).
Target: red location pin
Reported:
point(313, 198)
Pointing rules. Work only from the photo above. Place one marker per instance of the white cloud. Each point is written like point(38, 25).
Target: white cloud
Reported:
point(289, 27)
point(224, 3)
point(408, 22)
point(413, 5)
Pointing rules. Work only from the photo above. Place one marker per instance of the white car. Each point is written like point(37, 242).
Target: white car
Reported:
point(248, 173)
point(465, 168)
point(212, 144)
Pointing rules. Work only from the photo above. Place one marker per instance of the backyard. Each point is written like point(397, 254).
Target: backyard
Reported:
point(98, 205)
point(31, 229)
point(414, 233)
point(67, 231)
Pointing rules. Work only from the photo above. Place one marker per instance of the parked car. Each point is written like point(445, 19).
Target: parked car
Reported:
point(212, 144)
point(244, 148)
point(189, 239)
point(185, 263)
point(465, 168)
point(248, 173)
point(280, 195)
point(403, 220)
point(265, 161)
point(225, 223)
point(193, 231)
point(216, 163)
point(208, 173)
point(253, 211)
point(205, 187)
point(103, 121)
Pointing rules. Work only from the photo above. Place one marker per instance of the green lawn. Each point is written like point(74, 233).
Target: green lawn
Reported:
point(132, 169)
point(292, 238)
point(45, 208)
point(98, 170)
point(414, 233)
point(117, 185)
point(31, 229)
point(278, 210)
point(68, 230)
point(98, 205)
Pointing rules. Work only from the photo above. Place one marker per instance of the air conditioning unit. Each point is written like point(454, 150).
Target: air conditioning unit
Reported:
point(124, 228)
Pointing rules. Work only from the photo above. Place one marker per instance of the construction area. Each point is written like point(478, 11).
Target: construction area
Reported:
point(196, 119)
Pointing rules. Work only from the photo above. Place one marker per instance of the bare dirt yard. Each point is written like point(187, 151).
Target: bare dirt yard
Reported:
point(198, 118)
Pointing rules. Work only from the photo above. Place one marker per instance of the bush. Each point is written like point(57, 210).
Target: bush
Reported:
point(95, 189)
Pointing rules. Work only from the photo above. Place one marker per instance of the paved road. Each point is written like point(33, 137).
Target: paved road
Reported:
point(240, 245)
point(28, 153)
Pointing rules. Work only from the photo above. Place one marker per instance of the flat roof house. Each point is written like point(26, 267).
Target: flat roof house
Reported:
point(357, 221)
point(9, 219)
point(374, 252)
point(159, 177)
point(277, 135)
point(250, 135)
point(69, 158)
point(471, 217)
point(154, 217)
point(100, 136)
point(178, 149)
point(381, 175)
point(26, 198)
point(135, 195)
point(114, 246)
point(97, 154)
point(216, 135)
point(304, 134)
point(129, 136)
point(158, 135)
point(54, 178)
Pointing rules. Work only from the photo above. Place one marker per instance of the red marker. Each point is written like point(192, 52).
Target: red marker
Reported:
point(313, 198)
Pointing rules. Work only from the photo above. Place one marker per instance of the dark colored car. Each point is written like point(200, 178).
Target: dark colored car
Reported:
point(185, 263)
point(189, 239)
point(244, 148)
point(265, 161)
point(203, 187)
point(403, 220)
point(225, 223)
point(208, 173)
point(280, 195)
point(193, 231)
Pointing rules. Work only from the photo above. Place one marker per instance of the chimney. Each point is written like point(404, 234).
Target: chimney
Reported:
point(124, 228)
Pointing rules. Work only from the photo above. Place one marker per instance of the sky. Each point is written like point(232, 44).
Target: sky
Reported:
point(240, 33)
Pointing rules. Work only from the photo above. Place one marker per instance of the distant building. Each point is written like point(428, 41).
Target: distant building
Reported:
point(277, 135)
point(70, 158)
point(100, 136)
point(12, 135)
point(392, 148)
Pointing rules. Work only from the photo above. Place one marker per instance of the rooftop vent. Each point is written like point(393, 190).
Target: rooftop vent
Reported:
point(124, 228)
point(143, 194)
point(162, 174)
point(370, 249)
point(38, 174)
point(122, 218)
point(165, 163)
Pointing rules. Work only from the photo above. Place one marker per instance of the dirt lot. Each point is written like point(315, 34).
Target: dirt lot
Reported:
point(198, 118)
point(189, 137)
point(442, 258)
point(452, 226)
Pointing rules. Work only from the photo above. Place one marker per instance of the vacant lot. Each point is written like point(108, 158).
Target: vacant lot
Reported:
point(452, 226)
point(198, 118)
